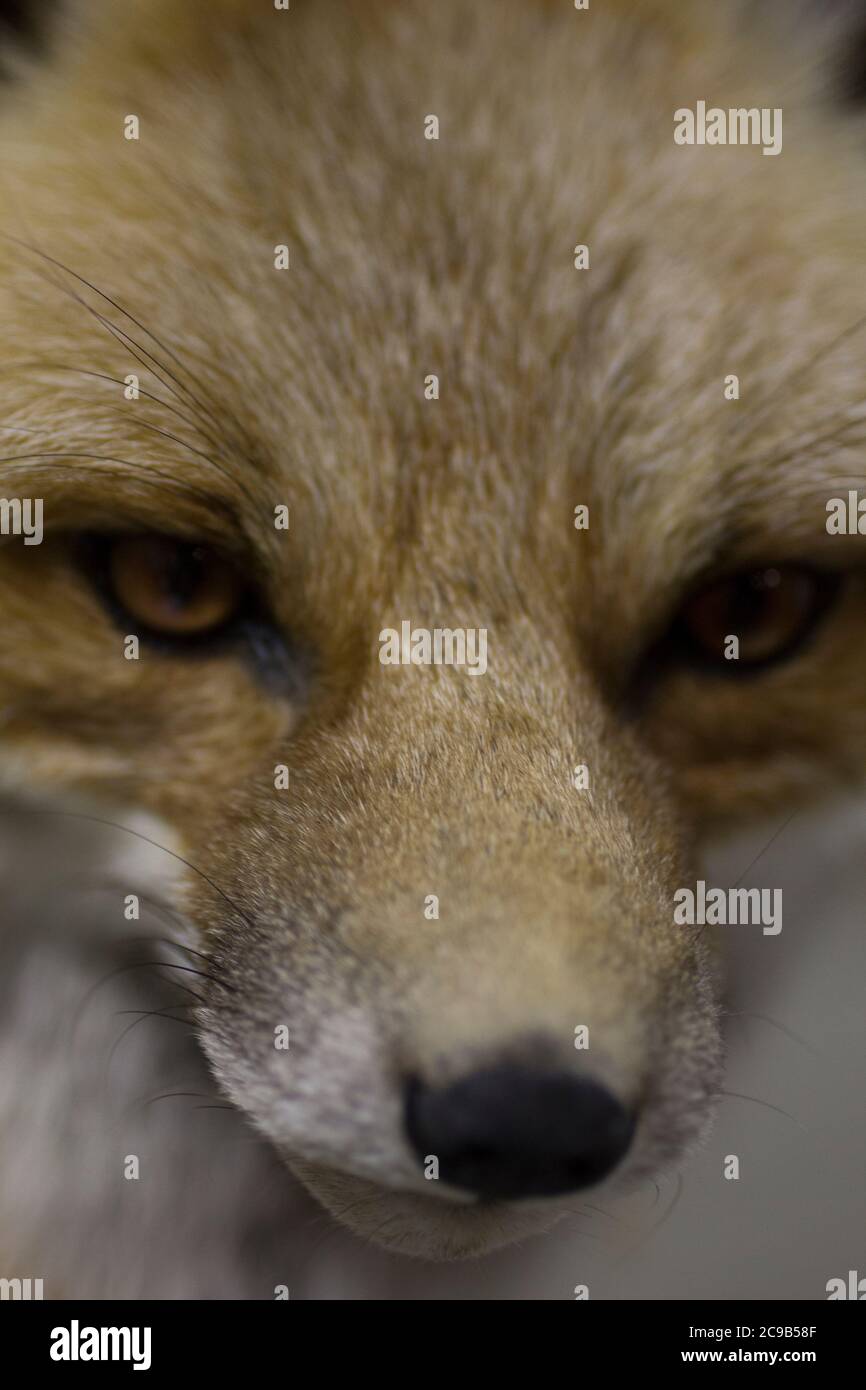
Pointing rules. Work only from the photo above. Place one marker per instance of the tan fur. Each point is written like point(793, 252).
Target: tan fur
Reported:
point(558, 387)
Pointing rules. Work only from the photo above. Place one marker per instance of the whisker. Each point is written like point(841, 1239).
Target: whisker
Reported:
point(146, 360)
point(157, 905)
point(40, 365)
point(112, 975)
point(656, 1225)
point(137, 834)
point(169, 1095)
point(588, 1206)
point(162, 909)
point(144, 475)
point(588, 1235)
point(185, 444)
point(757, 412)
point(137, 1106)
point(155, 1013)
point(176, 945)
point(767, 846)
point(673, 1205)
point(66, 290)
point(773, 838)
point(736, 1095)
point(114, 328)
point(142, 1015)
point(192, 969)
point(788, 1032)
point(837, 436)
point(180, 946)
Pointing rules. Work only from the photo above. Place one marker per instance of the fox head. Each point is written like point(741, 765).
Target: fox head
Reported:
point(325, 320)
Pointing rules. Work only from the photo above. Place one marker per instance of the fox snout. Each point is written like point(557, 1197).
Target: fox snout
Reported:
point(489, 1004)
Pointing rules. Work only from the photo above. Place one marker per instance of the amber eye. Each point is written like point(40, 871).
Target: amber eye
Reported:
point(172, 588)
point(769, 611)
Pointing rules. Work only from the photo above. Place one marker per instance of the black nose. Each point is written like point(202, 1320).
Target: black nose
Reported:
point(510, 1132)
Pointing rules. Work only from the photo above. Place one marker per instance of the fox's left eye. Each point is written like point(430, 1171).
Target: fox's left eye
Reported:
point(769, 611)
point(172, 588)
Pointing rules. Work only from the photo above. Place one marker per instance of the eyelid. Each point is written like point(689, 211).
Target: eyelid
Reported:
point(233, 548)
point(112, 500)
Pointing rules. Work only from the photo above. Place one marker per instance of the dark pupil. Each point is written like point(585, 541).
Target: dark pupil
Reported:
point(180, 571)
point(749, 601)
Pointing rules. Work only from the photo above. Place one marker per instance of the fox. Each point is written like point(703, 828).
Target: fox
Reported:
point(331, 323)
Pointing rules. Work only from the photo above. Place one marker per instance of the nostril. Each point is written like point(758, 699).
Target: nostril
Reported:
point(510, 1132)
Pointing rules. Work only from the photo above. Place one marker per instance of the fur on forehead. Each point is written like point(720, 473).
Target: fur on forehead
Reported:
point(557, 386)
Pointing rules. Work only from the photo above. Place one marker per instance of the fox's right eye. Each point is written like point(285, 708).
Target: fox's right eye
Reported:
point(770, 612)
point(167, 588)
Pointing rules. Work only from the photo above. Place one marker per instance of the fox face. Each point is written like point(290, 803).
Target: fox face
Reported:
point(291, 367)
